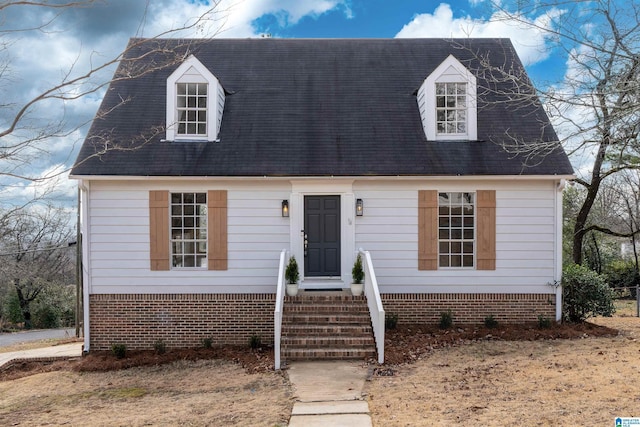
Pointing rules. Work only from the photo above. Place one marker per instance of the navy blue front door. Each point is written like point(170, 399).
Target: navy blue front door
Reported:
point(322, 229)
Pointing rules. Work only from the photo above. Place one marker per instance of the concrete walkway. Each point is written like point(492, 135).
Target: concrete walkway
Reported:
point(329, 394)
point(63, 351)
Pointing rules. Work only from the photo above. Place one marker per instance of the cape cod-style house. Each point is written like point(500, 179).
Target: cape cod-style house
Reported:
point(201, 177)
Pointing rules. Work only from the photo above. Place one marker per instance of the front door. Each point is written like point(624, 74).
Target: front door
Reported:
point(322, 235)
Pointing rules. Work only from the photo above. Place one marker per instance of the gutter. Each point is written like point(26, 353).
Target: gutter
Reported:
point(558, 267)
point(83, 213)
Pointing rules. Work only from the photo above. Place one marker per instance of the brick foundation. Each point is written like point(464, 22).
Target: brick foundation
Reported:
point(182, 320)
point(470, 308)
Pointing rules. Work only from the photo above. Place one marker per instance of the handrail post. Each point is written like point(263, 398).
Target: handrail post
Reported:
point(277, 314)
point(374, 302)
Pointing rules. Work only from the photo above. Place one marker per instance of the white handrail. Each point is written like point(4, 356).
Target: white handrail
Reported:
point(277, 314)
point(376, 311)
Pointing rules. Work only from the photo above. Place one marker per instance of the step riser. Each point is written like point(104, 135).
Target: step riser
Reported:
point(320, 331)
point(328, 342)
point(311, 354)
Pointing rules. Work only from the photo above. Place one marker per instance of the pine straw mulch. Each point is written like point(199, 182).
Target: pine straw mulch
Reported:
point(405, 344)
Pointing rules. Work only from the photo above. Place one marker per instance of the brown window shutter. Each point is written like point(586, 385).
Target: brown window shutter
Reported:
point(486, 211)
point(427, 230)
point(217, 222)
point(159, 230)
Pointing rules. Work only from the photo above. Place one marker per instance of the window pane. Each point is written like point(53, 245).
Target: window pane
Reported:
point(440, 101)
point(456, 261)
point(201, 198)
point(444, 247)
point(456, 247)
point(201, 261)
point(467, 247)
point(443, 233)
point(191, 128)
point(182, 88)
point(440, 88)
point(202, 102)
point(176, 261)
point(444, 261)
point(182, 102)
point(202, 129)
point(468, 234)
point(192, 88)
point(443, 222)
point(467, 261)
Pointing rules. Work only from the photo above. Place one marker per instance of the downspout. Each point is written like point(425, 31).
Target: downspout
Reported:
point(558, 267)
point(83, 202)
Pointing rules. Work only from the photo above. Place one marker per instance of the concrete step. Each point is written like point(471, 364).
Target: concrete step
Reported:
point(326, 330)
point(327, 353)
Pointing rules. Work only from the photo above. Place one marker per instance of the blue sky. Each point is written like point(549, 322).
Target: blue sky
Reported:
point(79, 37)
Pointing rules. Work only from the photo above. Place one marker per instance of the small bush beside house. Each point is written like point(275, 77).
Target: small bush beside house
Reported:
point(585, 294)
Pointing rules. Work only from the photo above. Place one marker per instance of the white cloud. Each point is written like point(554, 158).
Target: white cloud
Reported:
point(529, 41)
point(85, 37)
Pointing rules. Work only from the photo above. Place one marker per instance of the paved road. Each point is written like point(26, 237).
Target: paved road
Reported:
point(42, 334)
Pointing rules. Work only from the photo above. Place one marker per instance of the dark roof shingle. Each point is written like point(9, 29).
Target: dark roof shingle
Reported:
point(343, 107)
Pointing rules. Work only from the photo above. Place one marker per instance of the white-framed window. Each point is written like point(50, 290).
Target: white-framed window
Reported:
point(451, 108)
point(195, 103)
point(456, 229)
point(188, 230)
point(447, 103)
point(191, 105)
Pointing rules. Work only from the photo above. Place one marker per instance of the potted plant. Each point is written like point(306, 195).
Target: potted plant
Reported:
point(357, 273)
point(291, 276)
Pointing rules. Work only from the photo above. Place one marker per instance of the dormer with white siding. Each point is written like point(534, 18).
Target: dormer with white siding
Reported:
point(195, 102)
point(447, 103)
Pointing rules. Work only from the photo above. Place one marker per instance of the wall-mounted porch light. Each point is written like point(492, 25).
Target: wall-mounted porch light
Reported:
point(359, 207)
point(285, 208)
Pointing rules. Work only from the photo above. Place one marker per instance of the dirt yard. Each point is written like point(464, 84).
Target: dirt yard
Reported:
point(584, 381)
point(186, 393)
point(513, 375)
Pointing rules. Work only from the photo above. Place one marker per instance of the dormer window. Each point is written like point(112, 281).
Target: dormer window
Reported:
point(447, 104)
point(192, 108)
point(195, 102)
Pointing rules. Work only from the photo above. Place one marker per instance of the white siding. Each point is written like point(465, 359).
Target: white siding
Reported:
point(525, 238)
point(119, 235)
point(118, 244)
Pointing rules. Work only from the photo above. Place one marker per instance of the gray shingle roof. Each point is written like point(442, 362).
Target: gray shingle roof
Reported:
point(342, 107)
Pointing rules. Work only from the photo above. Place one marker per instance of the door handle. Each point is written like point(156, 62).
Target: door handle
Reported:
point(306, 242)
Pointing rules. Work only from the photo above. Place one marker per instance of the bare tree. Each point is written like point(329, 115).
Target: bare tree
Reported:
point(35, 254)
point(597, 106)
point(25, 130)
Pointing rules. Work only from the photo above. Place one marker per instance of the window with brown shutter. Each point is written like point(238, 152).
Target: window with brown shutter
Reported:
point(446, 225)
point(188, 230)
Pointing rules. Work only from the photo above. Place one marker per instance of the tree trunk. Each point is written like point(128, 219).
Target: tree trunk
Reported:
point(25, 305)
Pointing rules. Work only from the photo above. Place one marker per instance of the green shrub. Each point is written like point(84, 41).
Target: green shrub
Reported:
point(119, 350)
point(292, 274)
point(46, 317)
point(622, 274)
point(11, 309)
point(357, 273)
point(585, 293)
point(255, 341)
point(207, 342)
point(446, 319)
point(390, 320)
point(543, 322)
point(160, 347)
point(490, 322)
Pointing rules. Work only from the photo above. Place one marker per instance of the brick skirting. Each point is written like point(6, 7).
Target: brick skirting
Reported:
point(181, 320)
point(470, 308)
point(184, 320)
